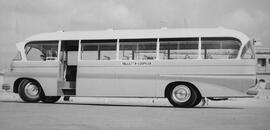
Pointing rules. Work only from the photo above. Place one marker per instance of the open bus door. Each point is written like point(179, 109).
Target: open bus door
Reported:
point(68, 67)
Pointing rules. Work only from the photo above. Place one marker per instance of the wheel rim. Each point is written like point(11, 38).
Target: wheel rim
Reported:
point(181, 93)
point(31, 91)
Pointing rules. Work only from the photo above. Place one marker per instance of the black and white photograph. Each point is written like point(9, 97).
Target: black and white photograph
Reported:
point(134, 65)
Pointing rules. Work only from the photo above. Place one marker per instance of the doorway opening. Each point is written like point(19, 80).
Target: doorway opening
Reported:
point(68, 67)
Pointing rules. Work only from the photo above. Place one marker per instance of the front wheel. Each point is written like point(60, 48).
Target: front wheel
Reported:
point(29, 91)
point(183, 95)
point(50, 99)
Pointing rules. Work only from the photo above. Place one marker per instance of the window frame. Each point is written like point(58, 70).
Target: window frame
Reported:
point(137, 40)
point(157, 41)
point(97, 41)
point(219, 39)
point(250, 44)
point(197, 39)
point(57, 42)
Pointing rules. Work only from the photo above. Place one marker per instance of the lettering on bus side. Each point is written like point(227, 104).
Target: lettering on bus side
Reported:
point(138, 63)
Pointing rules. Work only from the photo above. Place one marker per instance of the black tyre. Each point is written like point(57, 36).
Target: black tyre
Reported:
point(50, 99)
point(199, 99)
point(183, 95)
point(29, 91)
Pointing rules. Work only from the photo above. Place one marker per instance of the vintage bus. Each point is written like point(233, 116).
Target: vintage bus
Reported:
point(183, 65)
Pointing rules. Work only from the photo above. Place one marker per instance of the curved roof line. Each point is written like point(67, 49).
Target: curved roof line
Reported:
point(140, 33)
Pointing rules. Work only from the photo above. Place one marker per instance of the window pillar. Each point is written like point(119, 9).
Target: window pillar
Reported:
point(158, 44)
point(117, 49)
point(80, 51)
point(200, 49)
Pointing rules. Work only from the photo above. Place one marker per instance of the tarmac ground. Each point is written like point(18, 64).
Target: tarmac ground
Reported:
point(132, 113)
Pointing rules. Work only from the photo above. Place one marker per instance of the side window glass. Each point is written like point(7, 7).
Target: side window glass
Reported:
point(99, 49)
point(220, 48)
point(178, 48)
point(248, 52)
point(137, 49)
point(41, 50)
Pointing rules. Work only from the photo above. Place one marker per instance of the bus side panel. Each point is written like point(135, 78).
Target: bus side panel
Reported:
point(95, 80)
point(46, 73)
point(213, 78)
point(137, 81)
point(115, 86)
point(229, 86)
point(95, 84)
point(213, 86)
point(109, 78)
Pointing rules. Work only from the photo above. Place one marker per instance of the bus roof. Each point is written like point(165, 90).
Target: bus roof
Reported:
point(140, 33)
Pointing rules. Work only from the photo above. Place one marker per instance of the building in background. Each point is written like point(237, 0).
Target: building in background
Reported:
point(263, 63)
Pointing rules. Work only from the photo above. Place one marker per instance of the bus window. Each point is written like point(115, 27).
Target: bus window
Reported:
point(99, 49)
point(220, 48)
point(137, 49)
point(248, 52)
point(41, 50)
point(178, 48)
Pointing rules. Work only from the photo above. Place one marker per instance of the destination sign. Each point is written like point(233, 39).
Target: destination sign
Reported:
point(139, 63)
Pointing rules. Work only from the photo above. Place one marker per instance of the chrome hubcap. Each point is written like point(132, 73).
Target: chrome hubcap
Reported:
point(181, 93)
point(31, 91)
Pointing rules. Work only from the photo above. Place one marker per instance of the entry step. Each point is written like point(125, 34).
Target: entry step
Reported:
point(66, 84)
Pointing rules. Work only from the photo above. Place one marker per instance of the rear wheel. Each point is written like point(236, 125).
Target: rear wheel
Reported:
point(199, 99)
point(29, 91)
point(50, 99)
point(183, 95)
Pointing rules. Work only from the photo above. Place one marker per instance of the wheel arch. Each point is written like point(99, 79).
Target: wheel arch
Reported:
point(170, 86)
point(19, 80)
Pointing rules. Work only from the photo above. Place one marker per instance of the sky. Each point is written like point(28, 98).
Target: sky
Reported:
point(20, 19)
